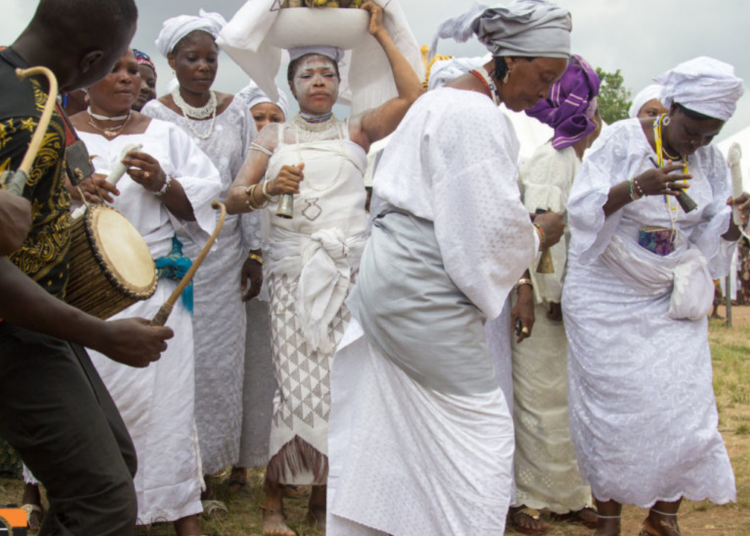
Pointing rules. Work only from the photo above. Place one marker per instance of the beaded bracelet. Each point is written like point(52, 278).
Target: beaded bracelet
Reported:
point(164, 187)
point(542, 236)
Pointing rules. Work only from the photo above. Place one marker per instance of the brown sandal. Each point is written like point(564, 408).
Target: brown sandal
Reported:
point(513, 524)
point(577, 517)
point(648, 530)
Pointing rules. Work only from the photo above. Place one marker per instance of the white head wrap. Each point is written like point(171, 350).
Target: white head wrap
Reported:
point(253, 95)
point(704, 85)
point(647, 94)
point(524, 28)
point(174, 29)
point(444, 71)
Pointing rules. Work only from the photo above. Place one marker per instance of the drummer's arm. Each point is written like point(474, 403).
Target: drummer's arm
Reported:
point(177, 202)
point(252, 171)
point(378, 123)
point(15, 221)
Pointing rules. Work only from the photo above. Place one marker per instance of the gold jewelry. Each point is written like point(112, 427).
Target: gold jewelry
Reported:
point(111, 132)
point(267, 195)
point(250, 191)
point(525, 330)
point(523, 281)
point(506, 77)
point(255, 257)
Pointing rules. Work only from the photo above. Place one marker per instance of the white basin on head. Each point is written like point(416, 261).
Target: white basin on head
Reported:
point(304, 26)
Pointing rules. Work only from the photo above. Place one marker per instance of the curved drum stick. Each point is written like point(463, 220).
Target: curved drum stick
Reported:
point(165, 310)
point(16, 182)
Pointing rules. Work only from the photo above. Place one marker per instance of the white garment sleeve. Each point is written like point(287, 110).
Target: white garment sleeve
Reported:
point(717, 213)
point(483, 230)
point(546, 181)
point(605, 166)
point(199, 178)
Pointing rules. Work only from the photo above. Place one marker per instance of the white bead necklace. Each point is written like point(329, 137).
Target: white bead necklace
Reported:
point(209, 110)
point(106, 117)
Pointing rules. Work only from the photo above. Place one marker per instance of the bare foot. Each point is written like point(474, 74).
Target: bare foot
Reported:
point(188, 526)
point(316, 508)
point(275, 524)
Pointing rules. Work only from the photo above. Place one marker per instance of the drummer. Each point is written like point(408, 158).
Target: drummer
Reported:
point(311, 259)
point(169, 185)
point(54, 409)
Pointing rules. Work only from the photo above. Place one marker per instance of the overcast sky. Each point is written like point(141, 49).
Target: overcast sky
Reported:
point(641, 37)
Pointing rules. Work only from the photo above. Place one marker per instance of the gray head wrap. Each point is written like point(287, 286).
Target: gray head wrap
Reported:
point(529, 28)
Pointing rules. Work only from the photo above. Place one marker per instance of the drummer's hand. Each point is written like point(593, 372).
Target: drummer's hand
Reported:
point(89, 187)
point(145, 170)
point(658, 181)
point(15, 221)
point(132, 342)
point(524, 310)
point(252, 271)
point(287, 181)
point(376, 18)
point(553, 225)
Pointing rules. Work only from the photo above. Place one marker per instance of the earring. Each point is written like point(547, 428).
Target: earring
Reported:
point(506, 77)
point(666, 121)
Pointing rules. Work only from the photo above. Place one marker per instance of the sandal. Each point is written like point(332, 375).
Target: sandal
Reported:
point(238, 484)
point(532, 528)
point(30, 510)
point(648, 530)
point(214, 508)
point(577, 517)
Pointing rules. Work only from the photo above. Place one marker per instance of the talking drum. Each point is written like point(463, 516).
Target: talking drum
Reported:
point(110, 264)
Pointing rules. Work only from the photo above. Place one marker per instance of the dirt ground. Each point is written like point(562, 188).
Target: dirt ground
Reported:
point(731, 358)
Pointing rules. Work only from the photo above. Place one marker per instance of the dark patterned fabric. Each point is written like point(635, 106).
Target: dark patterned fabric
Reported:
point(10, 462)
point(44, 255)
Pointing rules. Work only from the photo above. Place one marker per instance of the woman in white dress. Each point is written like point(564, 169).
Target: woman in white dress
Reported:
point(421, 440)
point(546, 469)
point(221, 126)
point(312, 258)
point(169, 186)
point(637, 291)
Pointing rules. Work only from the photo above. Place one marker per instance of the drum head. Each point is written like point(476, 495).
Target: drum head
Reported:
point(123, 251)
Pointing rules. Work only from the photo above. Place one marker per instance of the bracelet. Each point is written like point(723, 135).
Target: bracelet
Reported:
point(267, 195)
point(255, 257)
point(542, 236)
point(523, 281)
point(164, 187)
point(637, 190)
point(250, 191)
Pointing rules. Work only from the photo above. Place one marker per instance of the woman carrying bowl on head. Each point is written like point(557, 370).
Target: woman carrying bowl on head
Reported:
point(312, 258)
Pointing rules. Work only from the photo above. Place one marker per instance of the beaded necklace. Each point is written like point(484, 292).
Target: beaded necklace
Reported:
point(209, 110)
point(660, 152)
point(485, 78)
point(315, 119)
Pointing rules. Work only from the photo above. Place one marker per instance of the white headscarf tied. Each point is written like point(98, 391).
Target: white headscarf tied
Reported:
point(445, 71)
point(174, 29)
point(704, 85)
point(253, 95)
point(527, 28)
point(647, 94)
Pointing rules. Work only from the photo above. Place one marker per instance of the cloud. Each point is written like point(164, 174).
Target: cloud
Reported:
point(641, 37)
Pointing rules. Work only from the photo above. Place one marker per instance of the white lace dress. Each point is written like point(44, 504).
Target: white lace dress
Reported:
point(219, 320)
point(642, 410)
point(546, 468)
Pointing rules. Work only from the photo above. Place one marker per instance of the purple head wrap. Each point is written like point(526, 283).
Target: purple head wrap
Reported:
point(570, 105)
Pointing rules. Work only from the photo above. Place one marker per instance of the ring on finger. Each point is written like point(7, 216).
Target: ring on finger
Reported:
point(146, 174)
point(525, 330)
